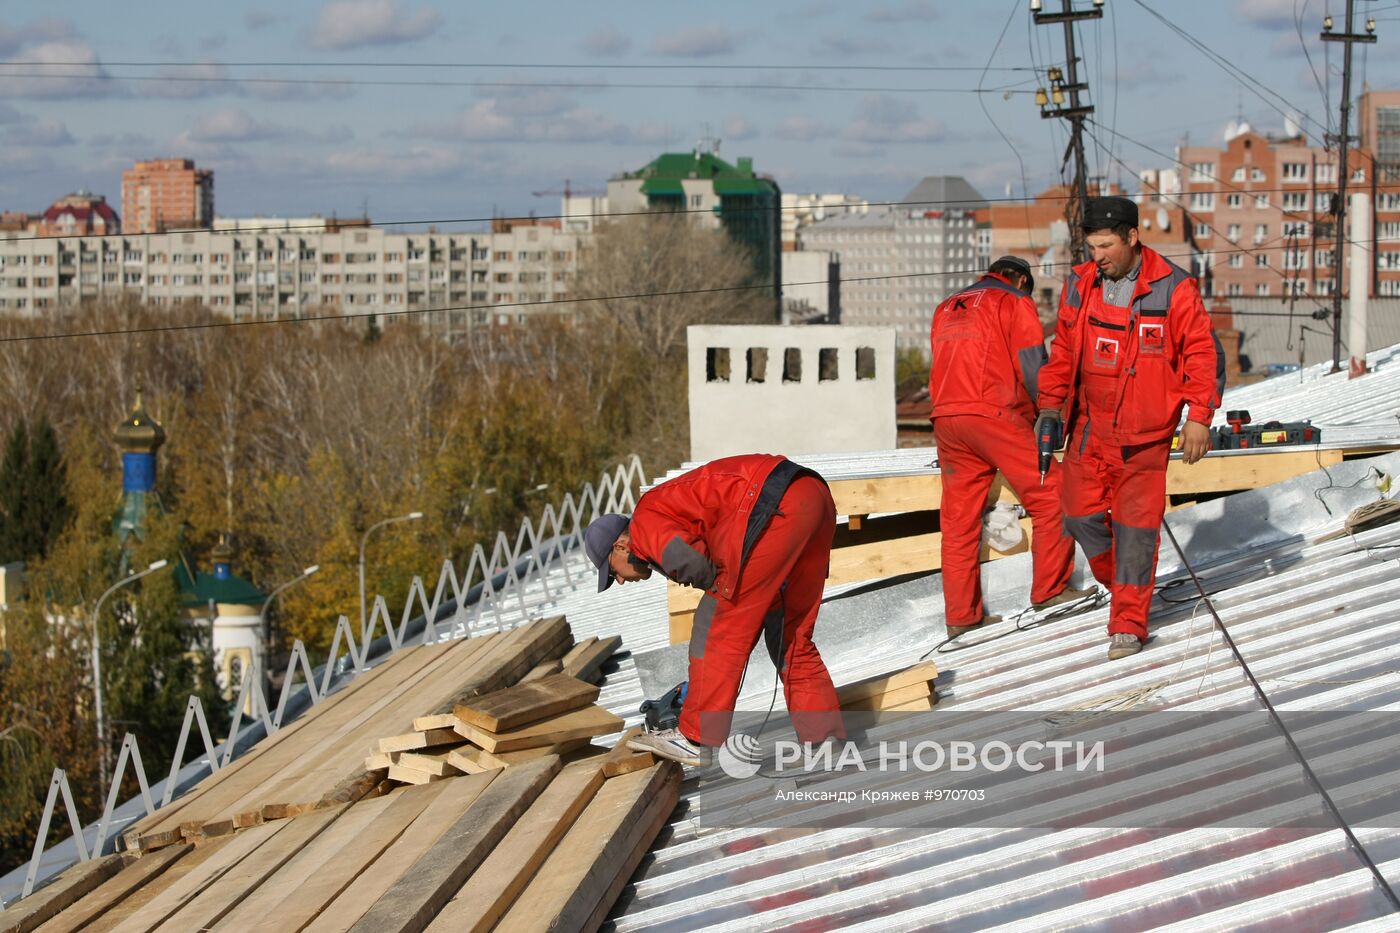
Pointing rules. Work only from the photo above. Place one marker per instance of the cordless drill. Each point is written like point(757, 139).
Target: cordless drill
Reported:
point(1047, 441)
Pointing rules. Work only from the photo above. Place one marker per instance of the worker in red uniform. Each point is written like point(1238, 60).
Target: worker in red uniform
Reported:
point(1133, 346)
point(988, 349)
point(754, 532)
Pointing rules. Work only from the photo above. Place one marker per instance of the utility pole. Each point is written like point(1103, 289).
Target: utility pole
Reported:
point(1076, 112)
point(1343, 141)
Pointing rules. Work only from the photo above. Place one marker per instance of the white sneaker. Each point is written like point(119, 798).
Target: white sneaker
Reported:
point(670, 743)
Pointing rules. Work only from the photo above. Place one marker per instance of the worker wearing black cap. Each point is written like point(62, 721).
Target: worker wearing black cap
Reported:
point(1133, 347)
point(988, 348)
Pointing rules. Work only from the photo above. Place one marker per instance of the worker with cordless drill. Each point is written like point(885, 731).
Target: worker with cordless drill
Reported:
point(988, 349)
point(1133, 347)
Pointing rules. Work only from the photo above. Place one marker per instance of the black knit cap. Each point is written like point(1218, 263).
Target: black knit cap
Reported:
point(1017, 264)
point(1104, 213)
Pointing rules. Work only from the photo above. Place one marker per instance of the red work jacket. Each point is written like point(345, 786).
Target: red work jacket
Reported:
point(698, 528)
point(988, 348)
point(1168, 356)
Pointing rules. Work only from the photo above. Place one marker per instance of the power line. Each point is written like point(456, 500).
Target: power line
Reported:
point(599, 85)
point(982, 102)
point(1248, 81)
point(522, 66)
point(407, 312)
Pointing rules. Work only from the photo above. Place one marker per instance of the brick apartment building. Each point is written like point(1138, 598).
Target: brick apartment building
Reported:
point(167, 194)
point(79, 214)
point(1261, 207)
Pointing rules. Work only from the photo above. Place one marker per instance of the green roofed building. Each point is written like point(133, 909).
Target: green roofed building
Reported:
point(746, 205)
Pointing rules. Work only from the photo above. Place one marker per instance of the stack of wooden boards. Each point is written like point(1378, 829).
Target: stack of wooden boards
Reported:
point(552, 713)
point(317, 761)
point(548, 842)
point(541, 845)
point(909, 690)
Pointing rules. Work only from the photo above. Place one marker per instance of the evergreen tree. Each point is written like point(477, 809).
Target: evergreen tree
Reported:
point(14, 476)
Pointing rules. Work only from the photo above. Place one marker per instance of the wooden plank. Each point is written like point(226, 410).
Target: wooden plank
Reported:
point(522, 704)
point(576, 724)
point(623, 760)
point(880, 684)
point(411, 741)
point(1247, 471)
point(380, 761)
point(289, 879)
point(136, 902)
point(491, 889)
point(273, 754)
point(114, 890)
point(598, 855)
point(913, 706)
point(433, 764)
point(889, 699)
point(910, 493)
point(416, 898)
point(216, 901)
point(59, 894)
point(523, 648)
point(506, 759)
point(413, 776)
point(435, 721)
point(308, 903)
point(586, 664)
point(543, 669)
point(188, 887)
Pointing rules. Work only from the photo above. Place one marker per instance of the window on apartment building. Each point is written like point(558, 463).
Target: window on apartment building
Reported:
point(1390, 288)
point(1388, 230)
point(1295, 201)
point(1202, 230)
point(1262, 290)
point(792, 364)
point(1297, 228)
point(1237, 175)
point(1295, 171)
point(716, 364)
point(1261, 260)
point(1232, 233)
point(1235, 290)
point(1257, 174)
point(828, 364)
point(1261, 202)
point(1234, 200)
point(1202, 201)
point(307, 255)
point(1295, 259)
point(1261, 232)
point(1325, 173)
point(1237, 261)
point(1388, 261)
point(501, 256)
point(1202, 171)
point(1322, 259)
point(502, 276)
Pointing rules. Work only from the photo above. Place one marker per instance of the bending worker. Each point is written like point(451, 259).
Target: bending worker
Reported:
point(1133, 346)
point(988, 348)
point(754, 532)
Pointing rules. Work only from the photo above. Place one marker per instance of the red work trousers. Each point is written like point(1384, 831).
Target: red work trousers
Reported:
point(1114, 499)
point(782, 580)
point(971, 448)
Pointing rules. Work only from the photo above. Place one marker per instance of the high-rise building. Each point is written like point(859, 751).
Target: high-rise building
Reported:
point(167, 194)
point(745, 205)
point(898, 263)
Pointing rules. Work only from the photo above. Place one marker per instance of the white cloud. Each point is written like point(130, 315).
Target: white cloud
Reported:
point(48, 29)
point(884, 119)
point(798, 128)
point(1275, 14)
point(233, 126)
point(204, 79)
point(696, 42)
point(51, 77)
point(737, 129)
point(38, 134)
point(921, 11)
point(348, 24)
point(840, 44)
point(499, 119)
point(606, 43)
point(418, 162)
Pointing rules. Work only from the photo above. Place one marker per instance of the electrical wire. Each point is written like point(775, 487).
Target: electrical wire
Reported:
point(982, 102)
point(1303, 42)
point(591, 66)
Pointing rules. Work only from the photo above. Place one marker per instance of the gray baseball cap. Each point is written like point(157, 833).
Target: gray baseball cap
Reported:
point(598, 539)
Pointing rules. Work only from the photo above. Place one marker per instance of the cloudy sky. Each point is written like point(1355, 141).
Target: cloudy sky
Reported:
point(449, 111)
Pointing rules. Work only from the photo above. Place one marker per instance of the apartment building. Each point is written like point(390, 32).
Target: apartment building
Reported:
point(167, 194)
point(466, 279)
point(1261, 208)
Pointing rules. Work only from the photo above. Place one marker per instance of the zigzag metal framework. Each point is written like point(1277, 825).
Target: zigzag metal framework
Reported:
point(514, 578)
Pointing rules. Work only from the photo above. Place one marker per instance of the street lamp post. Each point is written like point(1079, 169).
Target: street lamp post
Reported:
point(97, 663)
point(267, 617)
point(410, 517)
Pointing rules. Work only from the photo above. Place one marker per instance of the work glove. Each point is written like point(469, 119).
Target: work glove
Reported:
point(1049, 418)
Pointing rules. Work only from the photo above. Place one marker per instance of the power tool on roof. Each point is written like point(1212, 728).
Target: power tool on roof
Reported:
point(1239, 433)
point(664, 712)
point(1047, 441)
